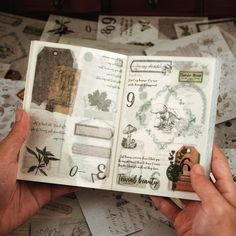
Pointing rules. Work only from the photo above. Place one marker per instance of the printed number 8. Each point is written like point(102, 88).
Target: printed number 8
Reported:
point(101, 169)
point(130, 99)
point(108, 29)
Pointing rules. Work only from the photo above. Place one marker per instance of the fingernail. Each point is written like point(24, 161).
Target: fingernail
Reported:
point(19, 114)
point(198, 170)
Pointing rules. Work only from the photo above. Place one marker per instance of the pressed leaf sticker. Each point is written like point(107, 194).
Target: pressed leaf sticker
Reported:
point(99, 100)
point(43, 157)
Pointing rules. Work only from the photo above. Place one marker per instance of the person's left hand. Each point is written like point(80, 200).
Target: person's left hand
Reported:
point(19, 200)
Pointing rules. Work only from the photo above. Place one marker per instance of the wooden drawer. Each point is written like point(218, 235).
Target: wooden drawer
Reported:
point(47, 6)
point(163, 7)
point(220, 8)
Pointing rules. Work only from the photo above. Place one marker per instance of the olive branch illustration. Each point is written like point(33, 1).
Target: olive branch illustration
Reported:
point(43, 157)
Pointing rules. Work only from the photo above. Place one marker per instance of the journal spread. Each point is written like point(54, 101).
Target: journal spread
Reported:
point(110, 121)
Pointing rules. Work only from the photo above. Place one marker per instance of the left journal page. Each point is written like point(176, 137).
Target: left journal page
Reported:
point(71, 96)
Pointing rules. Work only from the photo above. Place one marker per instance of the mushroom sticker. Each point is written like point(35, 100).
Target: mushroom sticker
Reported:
point(129, 142)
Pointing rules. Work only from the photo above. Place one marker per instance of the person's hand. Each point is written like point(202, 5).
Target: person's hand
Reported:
point(19, 200)
point(215, 214)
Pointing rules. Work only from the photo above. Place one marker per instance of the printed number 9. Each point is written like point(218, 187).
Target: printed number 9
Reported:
point(130, 99)
point(108, 20)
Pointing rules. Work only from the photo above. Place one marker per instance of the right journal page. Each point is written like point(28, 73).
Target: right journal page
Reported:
point(166, 124)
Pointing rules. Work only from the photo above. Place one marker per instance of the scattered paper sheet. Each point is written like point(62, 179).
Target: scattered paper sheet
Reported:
point(139, 30)
point(208, 43)
point(11, 96)
point(188, 28)
point(112, 213)
point(225, 134)
point(58, 26)
point(16, 33)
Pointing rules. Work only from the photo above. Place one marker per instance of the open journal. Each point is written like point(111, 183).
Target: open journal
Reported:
point(110, 121)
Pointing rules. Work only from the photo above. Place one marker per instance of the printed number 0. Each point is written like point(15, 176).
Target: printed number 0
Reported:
point(130, 99)
point(73, 171)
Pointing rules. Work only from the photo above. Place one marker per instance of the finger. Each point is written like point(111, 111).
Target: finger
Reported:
point(203, 187)
point(60, 190)
point(179, 202)
point(222, 173)
point(168, 208)
point(11, 145)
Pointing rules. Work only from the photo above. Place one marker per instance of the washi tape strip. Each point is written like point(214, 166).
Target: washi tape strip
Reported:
point(93, 131)
point(90, 150)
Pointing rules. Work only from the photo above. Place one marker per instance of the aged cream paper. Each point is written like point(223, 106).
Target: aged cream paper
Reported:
point(58, 26)
point(208, 43)
point(103, 45)
point(62, 216)
point(188, 28)
point(10, 100)
point(16, 33)
point(121, 214)
point(139, 30)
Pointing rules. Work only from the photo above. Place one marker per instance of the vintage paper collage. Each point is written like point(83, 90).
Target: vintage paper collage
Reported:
point(67, 112)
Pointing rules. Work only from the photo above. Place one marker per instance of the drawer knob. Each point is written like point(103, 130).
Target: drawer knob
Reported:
point(58, 4)
point(152, 3)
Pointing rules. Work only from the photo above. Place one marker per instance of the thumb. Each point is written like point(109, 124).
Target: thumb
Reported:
point(203, 187)
point(11, 145)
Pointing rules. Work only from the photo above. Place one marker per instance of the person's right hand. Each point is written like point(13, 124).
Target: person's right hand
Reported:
point(215, 214)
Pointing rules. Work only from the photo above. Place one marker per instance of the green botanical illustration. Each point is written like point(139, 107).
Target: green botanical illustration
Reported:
point(99, 100)
point(43, 157)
